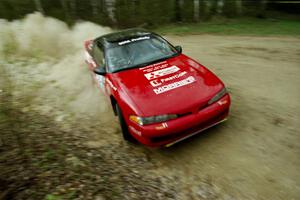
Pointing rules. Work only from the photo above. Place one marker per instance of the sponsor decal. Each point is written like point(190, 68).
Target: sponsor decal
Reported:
point(162, 126)
point(160, 81)
point(161, 72)
point(155, 67)
point(155, 83)
point(111, 85)
point(135, 131)
point(133, 40)
point(174, 85)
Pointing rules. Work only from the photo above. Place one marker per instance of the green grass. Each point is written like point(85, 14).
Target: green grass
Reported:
point(246, 26)
point(53, 197)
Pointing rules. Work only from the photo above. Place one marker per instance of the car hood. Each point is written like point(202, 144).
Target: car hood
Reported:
point(178, 85)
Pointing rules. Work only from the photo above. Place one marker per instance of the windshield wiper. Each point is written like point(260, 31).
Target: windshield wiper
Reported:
point(147, 63)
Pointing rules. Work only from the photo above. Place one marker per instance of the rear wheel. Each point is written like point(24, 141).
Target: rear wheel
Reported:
point(126, 135)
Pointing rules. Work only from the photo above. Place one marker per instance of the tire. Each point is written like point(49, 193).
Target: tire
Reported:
point(126, 135)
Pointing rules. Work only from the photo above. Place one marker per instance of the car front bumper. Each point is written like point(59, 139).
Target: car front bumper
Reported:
point(173, 131)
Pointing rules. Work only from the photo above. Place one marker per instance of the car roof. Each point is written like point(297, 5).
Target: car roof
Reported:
point(107, 40)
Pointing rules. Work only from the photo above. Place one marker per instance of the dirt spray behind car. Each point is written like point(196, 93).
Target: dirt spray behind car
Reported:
point(48, 47)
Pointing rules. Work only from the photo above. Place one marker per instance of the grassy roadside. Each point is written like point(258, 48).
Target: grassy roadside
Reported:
point(245, 26)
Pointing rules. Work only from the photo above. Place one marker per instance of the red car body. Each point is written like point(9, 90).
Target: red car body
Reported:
point(178, 85)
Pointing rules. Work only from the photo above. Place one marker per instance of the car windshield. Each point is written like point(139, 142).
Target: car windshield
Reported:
point(138, 52)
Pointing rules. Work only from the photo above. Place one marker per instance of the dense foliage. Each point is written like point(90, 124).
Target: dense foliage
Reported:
point(128, 13)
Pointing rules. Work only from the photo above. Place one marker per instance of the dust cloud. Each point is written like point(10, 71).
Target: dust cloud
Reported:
point(47, 54)
point(46, 36)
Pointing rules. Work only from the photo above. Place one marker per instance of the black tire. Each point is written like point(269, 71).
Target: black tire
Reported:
point(126, 135)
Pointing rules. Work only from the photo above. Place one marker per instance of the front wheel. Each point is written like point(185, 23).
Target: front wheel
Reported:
point(126, 135)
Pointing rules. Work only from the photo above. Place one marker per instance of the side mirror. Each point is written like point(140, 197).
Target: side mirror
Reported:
point(179, 49)
point(100, 70)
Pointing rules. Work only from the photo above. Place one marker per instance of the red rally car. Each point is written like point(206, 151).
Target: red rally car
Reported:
point(160, 95)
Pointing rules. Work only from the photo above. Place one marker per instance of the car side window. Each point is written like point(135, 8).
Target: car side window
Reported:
point(98, 56)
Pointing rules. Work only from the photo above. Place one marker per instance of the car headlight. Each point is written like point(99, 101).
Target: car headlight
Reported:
point(151, 120)
point(217, 96)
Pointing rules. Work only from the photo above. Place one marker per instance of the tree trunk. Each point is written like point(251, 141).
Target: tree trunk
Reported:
point(178, 17)
point(262, 9)
point(95, 6)
point(65, 8)
point(238, 6)
point(207, 9)
point(39, 7)
point(110, 6)
point(73, 7)
point(196, 10)
point(220, 6)
point(264, 4)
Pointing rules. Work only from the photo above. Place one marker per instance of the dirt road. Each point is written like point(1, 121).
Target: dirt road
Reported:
point(254, 155)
